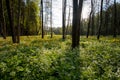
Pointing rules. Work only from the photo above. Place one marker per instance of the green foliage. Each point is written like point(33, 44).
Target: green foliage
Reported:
point(53, 59)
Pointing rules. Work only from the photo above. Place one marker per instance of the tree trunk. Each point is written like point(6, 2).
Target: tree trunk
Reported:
point(90, 18)
point(77, 9)
point(68, 22)
point(51, 20)
point(42, 18)
point(106, 17)
point(88, 29)
point(64, 18)
point(93, 25)
point(11, 21)
point(2, 21)
point(106, 22)
point(101, 20)
point(115, 21)
point(18, 28)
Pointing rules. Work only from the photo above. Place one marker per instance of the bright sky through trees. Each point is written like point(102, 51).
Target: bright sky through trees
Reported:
point(57, 11)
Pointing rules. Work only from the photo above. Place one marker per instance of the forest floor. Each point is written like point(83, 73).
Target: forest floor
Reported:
point(52, 59)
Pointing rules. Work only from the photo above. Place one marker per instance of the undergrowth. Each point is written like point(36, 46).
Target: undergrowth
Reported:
point(53, 59)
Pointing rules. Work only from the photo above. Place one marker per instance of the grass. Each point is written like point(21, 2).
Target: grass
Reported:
point(52, 59)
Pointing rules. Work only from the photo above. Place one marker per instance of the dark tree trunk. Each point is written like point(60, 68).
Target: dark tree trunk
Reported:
point(51, 20)
point(13, 15)
point(64, 18)
point(11, 21)
point(28, 18)
point(106, 22)
point(90, 19)
point(88, 29)
point(77, 9)
point(93, 25)
point(115, 21)
point(98, 20)
point(2, 21)
point(106, 17)
point(42, 18)
point(23, 21)
point(101, 20)
point(18, 28)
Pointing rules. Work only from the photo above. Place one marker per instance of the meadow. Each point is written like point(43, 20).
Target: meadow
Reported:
point(53, 59)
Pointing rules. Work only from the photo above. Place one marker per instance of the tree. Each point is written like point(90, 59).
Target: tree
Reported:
point(10, 16)
point(90, 16)
point(51, 20)
point(64, 18)
point(91, 19)
point(115, 21)
point(101, 20)
point(93, 14)
point(42, 18)
point(106, 17)
point(18, 27)
point(77, 9)
point(68, 21)
point(2, 21)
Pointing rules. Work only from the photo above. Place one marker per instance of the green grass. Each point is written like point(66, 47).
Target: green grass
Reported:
point(52, 59)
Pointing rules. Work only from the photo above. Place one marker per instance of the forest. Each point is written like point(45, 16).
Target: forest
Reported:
point(59, 40)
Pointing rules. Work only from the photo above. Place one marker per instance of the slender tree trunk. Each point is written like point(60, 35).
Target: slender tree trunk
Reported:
point(28, 18)
point(98, 19)
point(90, 19)
point(115, 21)
point(79, 19)
point(106, 18)
point(11, 20)
point(51, 20)
point(77, 9)
point(42, 18)
point(101, 20)
point(68, 22)
point(18, 28)
point(88, 29)
point(64, 18)
point(93, 25)
point(106, 23)
point(2, 21)
point(23, 22)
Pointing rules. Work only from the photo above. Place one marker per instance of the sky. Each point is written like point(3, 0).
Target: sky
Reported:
point(57, 11)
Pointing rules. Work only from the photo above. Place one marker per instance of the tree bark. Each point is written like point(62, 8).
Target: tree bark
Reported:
point(18, 28)
point(91, 19)
point(42, 18)
point(11, 21)
point(106, 18)
point(101, 20)
point(88, 29)
point(68, 22)
point(51, 20)
point(2, 21)
point(77, 9)
point(115, 21)
point(64, 18)
point(93, 25)
point(106, 22)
